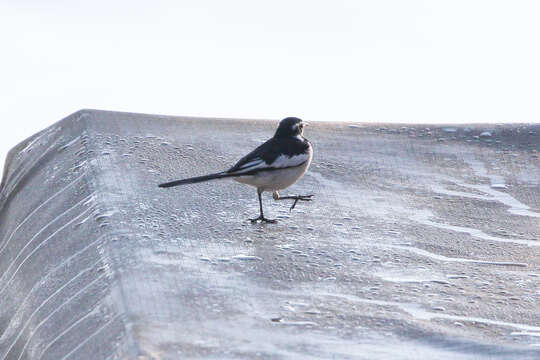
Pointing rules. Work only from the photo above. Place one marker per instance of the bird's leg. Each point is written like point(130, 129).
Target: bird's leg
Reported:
point(261, 216)
point(296, 198)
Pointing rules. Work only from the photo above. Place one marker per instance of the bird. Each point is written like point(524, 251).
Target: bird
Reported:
point(273, 166)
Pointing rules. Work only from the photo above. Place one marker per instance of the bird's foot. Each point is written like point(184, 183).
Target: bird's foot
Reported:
point(263, 220)
point(299, 198)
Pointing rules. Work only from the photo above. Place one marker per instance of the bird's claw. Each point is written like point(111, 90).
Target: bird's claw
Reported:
point(300, 197)
point(263, 220)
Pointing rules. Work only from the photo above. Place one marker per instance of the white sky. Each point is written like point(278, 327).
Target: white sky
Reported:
point(379, 60)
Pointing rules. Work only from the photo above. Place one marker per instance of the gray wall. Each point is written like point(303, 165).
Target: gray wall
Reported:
point(421, 242)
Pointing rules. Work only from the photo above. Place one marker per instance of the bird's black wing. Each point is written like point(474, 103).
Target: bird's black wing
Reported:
point(276, 153)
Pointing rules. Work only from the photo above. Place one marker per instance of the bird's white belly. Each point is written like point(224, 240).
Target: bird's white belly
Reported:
point(275, 180)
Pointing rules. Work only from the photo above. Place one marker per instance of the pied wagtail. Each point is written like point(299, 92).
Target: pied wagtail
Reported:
point(273, 166)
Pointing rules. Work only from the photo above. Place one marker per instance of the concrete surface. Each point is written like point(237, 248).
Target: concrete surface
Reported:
point(422, 243)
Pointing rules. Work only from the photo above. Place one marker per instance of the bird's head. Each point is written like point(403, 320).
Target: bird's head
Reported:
point(290, 127)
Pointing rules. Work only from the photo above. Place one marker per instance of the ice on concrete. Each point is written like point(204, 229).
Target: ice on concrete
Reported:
point(412, 248)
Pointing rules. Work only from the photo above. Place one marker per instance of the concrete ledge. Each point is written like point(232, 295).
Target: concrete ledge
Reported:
point(422, 242)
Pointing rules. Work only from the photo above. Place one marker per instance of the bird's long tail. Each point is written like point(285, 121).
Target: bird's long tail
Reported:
point(196, 179)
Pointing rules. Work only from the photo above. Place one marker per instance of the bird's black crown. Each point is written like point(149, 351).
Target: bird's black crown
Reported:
point(290, 127)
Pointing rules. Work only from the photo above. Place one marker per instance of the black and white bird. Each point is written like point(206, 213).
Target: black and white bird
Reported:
point(273, 166)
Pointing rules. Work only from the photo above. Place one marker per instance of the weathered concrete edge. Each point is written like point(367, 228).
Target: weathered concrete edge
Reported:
point(11, 161)
point(18, 167)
